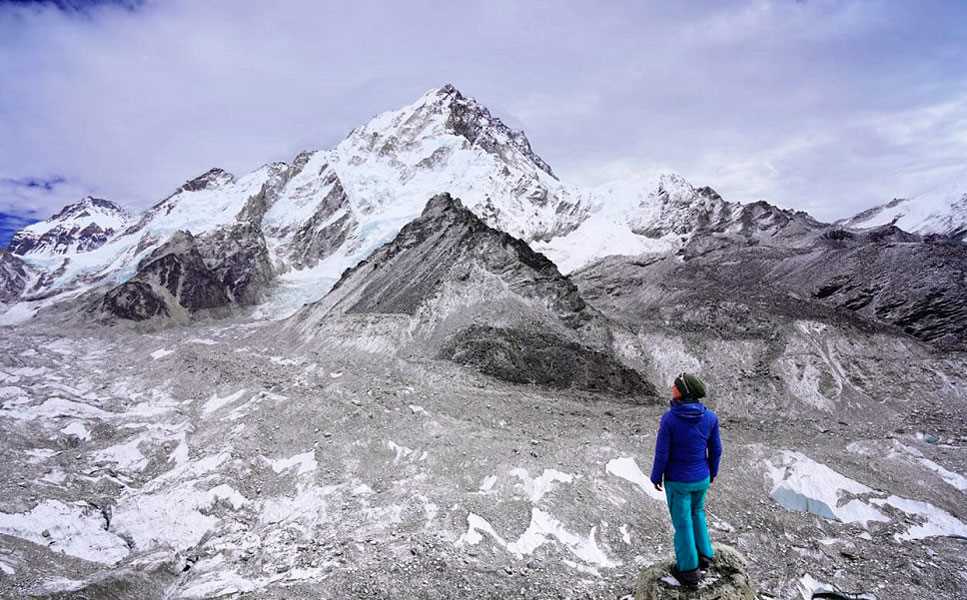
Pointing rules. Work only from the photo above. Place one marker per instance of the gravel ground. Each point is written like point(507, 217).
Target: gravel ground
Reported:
point(215, 462)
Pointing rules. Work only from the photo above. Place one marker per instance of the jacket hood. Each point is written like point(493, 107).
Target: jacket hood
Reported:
point(690, 411)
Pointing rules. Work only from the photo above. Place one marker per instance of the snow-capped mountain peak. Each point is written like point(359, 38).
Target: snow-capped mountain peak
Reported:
point(440, 112)
point(941, 210)
point(79, 227)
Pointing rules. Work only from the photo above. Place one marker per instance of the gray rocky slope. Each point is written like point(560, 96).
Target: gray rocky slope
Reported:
point(213, 462)
point(450, 286)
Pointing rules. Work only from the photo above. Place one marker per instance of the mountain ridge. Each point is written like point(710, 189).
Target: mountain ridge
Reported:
point(328, 210)
point(450, 286)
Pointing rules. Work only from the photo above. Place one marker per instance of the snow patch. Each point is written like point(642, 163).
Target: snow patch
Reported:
point(214, 403)
point(71, 529)
point(542, 528)
point(535, 488)
point(54, 408)
point(488, 483)
point(802, 484)
point(935, 521)
point(160, 353)
point(627, 469)
point(78, 429)
point(177, 518)
point(305, 463)
point(401, 451)
point(475, 526)
point(126, 456)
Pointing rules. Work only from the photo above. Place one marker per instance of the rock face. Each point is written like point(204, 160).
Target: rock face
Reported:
point(81, 227)
point(449, 243)
point(191, 274)
point(834, 321)
point(919, 286)
point(14, 277)
point(725, 580)
point(883, 275)
point(477, 296)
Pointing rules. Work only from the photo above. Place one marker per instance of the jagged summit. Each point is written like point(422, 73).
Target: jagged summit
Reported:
point(445, 110)
point(212, 178)
point(88, 206)
point(79, 227)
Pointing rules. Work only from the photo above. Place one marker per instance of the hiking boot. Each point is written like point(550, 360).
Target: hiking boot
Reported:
point(689, 579)
point(704, 562)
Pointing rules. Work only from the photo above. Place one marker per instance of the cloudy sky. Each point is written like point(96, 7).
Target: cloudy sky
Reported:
point(828, 106)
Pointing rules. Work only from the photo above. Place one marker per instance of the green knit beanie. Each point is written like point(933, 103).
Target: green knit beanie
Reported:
point(690, 386)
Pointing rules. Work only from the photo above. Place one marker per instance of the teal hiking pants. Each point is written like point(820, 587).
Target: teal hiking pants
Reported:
point(686, 503)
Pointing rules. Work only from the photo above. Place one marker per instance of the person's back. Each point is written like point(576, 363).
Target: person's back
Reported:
point(687, 453)
point(692, 442)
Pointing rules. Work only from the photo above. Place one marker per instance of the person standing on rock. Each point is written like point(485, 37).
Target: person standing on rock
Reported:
point(687, 454)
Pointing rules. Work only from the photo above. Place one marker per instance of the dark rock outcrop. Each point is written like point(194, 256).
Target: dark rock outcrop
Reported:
point(14, 275)
point(322, 234)
point(190, 274)
point(135, 301)
point(917, 286)
point(543, 359)
point(474, 122)
point(211, 178)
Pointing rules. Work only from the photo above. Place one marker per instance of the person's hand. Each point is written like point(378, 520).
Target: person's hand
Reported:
point(658, 487)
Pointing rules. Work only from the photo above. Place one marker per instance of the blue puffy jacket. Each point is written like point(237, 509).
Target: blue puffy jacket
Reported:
point(688, 447)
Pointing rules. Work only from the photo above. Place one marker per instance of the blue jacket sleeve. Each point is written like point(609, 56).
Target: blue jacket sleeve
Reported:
point(714, 450)
point(662, 442)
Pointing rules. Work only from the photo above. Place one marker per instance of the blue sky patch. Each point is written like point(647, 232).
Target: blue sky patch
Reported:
point(11, 224)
